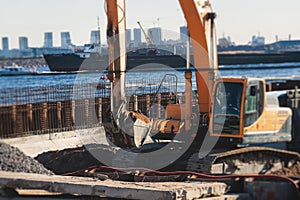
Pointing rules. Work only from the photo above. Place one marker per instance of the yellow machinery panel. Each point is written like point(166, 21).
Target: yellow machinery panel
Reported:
point(272, 120)
point(175, 111)
point(166, 126)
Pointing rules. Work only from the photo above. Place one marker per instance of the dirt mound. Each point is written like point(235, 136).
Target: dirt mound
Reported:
point(82, 158)
point(73, 159)
point(14, 160)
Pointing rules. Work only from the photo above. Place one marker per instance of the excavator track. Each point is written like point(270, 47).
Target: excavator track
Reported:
point(248, 160)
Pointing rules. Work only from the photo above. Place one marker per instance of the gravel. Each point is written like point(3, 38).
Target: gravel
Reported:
point(14, 160)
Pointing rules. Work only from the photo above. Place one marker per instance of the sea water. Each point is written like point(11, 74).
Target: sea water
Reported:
point(138, 75)
point(46, 79)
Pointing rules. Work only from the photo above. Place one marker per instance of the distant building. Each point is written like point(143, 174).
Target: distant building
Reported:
point(183, 34)
point(65, 40)
point(128, 37)
point(5, 46)
point(48, 40)
point(257, 41)
point(23, 43)
point(95, 37)
point(155, 35)
point(137, 34)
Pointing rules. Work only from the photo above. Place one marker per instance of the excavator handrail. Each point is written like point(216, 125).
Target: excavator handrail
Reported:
point(163, 81)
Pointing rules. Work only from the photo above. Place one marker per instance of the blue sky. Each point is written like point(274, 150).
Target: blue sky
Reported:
point(239, 19)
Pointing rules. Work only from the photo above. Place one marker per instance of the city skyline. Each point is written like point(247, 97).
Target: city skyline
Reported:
point(238, 19)
point(134, 38)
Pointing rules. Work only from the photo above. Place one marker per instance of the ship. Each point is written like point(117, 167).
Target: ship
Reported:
point(242, 58)
point(93, 61)
point(73, 62)
point(15, 70)
point(283, 51)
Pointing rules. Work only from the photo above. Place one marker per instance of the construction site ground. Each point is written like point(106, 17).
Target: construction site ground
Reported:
point(28, 166)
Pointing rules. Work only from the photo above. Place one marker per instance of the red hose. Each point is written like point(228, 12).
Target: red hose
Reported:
point(81, 171)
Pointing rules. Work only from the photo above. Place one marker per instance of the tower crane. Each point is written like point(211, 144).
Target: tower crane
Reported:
point(148, 39)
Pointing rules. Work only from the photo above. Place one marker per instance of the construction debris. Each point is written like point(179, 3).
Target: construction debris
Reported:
point(292, 171)
point(105, 182)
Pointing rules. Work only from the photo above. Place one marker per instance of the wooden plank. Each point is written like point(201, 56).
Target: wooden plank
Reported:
point(37, 192)
point(242, 196)
point(111, 189)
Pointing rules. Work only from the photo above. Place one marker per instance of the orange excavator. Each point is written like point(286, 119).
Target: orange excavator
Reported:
point(235, 126)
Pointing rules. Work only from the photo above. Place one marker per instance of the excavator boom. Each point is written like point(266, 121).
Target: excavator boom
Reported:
point(201, 59)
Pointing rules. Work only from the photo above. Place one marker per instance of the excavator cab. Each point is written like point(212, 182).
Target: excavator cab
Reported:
point(226, 110)
point(240, 113)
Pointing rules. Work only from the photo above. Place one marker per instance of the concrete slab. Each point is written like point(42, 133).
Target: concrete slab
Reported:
point(112, 189)
point(37, 144)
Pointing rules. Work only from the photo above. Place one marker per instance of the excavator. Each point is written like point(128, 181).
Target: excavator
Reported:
point(236, 126)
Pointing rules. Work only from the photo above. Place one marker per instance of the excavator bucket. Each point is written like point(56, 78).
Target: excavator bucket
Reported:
point(125, 129)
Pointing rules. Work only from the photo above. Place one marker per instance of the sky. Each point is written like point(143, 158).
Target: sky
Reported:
point(238, 19)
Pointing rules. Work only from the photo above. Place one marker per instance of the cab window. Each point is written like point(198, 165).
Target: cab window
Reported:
point(227, 105)
point(254, 102)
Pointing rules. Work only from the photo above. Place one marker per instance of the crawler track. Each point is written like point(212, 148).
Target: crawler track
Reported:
point(258, 160)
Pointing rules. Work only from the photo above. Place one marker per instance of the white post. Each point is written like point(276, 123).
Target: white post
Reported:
point(188, 54)
point(122, 39)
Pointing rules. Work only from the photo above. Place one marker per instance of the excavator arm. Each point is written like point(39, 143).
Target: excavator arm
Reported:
point(115, 28)
point(112, 32)
point(197, 35)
